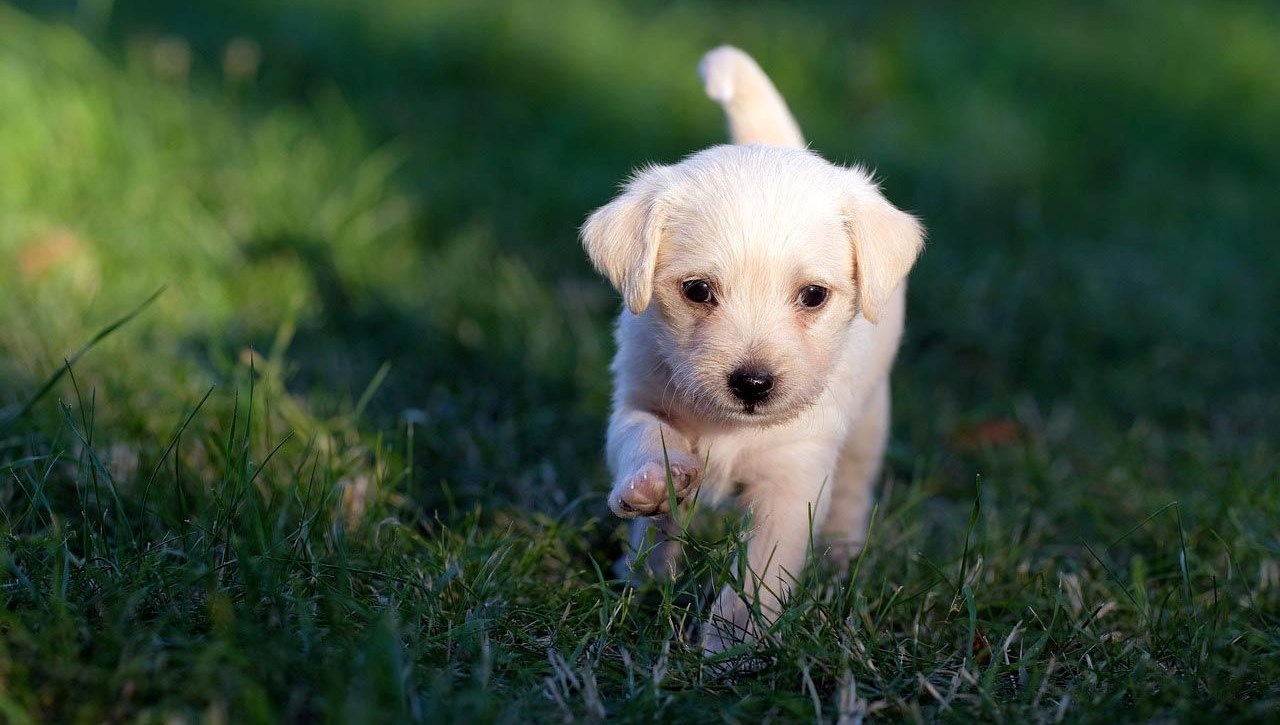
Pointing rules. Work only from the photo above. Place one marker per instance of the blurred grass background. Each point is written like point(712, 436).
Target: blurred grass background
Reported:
point(364, 219)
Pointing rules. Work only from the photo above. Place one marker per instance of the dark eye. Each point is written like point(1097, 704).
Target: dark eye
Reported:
point(813, 296)
point(698, 290)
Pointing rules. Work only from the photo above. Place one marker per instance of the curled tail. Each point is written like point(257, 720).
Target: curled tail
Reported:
point(756, 112)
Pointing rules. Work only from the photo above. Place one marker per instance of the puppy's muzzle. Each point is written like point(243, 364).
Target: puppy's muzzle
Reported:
point(751, 386)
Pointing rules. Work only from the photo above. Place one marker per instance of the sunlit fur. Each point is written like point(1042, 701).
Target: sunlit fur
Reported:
point(759, 223)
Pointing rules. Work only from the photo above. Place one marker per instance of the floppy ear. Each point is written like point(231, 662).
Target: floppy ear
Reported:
point(622, 237)
point(886, 242)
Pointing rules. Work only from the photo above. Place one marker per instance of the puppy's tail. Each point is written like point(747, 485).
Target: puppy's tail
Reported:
point(756, 112)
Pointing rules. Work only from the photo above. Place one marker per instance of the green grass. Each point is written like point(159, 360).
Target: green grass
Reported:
point(347, 466)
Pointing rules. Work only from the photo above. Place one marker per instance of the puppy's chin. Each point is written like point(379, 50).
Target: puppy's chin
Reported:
point(764, 418)
point(728, 410)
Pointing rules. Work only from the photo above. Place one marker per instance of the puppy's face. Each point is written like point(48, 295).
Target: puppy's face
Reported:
point(754, 292)
point(752, 262)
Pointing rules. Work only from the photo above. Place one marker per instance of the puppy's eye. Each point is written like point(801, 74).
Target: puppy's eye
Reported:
point(698, 290)
point(813, 296)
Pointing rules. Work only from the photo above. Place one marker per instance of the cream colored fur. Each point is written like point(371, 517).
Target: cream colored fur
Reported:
point(759, 223)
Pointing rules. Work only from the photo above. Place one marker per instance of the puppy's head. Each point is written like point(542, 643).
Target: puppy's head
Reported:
point(752, 262)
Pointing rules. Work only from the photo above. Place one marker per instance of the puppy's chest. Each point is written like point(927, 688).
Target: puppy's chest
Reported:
point(718, 482)
point(731, 462)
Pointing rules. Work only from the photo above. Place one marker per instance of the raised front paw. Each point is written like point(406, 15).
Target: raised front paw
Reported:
point(644, 491)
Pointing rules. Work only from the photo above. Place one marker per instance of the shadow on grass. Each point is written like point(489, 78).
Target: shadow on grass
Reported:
point(488, 425)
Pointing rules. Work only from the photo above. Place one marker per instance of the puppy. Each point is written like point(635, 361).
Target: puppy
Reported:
point(764, 302)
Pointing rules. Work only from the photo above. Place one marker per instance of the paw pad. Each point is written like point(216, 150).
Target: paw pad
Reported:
point(644, 492)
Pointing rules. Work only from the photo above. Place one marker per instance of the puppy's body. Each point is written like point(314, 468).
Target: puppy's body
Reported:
point(729, 452)
point(765, 306)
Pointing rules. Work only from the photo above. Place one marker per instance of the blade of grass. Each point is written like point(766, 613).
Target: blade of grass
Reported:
point(173, 440)
point(101, 335)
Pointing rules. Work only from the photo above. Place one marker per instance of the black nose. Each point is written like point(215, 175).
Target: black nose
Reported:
point(751, 386)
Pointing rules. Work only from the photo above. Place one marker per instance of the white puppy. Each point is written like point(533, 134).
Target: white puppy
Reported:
point(764, 304)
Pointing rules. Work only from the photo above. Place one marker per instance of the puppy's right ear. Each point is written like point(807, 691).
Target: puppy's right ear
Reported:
point(622, 237)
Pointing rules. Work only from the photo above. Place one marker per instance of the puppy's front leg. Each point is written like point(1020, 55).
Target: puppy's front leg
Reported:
point(785, 512)
point(653, 542)
point(642, 449)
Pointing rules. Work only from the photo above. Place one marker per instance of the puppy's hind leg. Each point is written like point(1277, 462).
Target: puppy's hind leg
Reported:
point(861, 460)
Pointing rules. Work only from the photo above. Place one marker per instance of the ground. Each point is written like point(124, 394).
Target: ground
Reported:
point(347, 465)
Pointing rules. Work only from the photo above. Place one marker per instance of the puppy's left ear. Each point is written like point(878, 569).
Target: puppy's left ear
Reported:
point(886, 242)
point(622, 237)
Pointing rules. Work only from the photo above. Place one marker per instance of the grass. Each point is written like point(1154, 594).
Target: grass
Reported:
point(347, 466)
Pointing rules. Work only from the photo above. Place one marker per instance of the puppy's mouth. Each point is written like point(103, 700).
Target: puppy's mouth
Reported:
point(760, 409)
point(756, 414)
point(765, 413)
point(779, 407)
